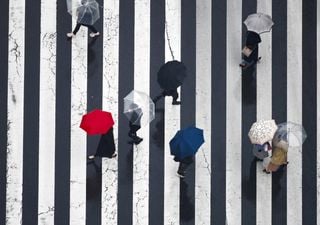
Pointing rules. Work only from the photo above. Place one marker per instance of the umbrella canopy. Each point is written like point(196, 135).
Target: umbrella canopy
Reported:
point(259, 22)
point(171, 75)
point(86, 11)
point(139, 108)
point(292, 134)
point(262, 131)
point(186, 142)
point(97, 122)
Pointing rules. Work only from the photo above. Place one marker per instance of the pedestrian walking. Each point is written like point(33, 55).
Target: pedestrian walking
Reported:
point(106, 147)
point(87, 14)
point(171, 76)
point(250, 51)
point(183, 165)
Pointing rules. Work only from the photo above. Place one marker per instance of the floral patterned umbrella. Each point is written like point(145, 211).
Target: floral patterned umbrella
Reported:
point(262, 131)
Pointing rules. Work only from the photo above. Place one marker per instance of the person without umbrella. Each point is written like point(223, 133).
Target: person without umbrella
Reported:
point(87, 15)
point(170, 77)
point(106, 147)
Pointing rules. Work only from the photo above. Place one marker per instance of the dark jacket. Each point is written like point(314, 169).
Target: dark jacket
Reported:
point(106, 146)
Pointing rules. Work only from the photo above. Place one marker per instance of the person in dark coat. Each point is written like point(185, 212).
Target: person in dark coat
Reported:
point(252, 42)
point(106, 147)
point(183, 165)
point(135, 125)
point(86, 17)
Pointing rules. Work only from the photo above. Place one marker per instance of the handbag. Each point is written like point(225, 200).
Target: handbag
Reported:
point(246, 51)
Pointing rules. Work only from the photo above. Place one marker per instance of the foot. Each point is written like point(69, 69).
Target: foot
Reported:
point(242, 65)
point(267, 172)
point(114, 155)
point(137, 140)
point(91, 157)
point(71, 35)
point(94, 34)
point(176, 102)
point(181, 175)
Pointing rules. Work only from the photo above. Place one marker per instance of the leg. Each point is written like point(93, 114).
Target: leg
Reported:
point(92, 28)
point(182, 169)
point(76, 29)
point(175, 96)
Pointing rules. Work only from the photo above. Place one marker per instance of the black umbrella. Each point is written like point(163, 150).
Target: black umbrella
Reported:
point(171, 75)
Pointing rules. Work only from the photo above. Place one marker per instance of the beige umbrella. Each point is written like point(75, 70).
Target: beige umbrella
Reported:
point(262, 131)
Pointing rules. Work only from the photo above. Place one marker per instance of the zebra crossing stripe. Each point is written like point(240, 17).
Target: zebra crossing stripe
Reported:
point(141, 77)
point(294, 101)
point(233, 113)
point(264, 111)
point(47, 112)
point(109, 208)
point(172, 115)
point(78, 155)
point(203, 170)
point(15, 112)
point(318, 112)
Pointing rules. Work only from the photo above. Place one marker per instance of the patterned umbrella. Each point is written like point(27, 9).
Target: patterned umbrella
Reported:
point(262, 131)
point(259, 23)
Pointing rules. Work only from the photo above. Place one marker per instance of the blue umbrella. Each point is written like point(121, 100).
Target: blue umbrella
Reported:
point(186, 142)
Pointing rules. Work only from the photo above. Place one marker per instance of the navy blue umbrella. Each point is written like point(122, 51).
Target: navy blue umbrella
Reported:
point(186, 142)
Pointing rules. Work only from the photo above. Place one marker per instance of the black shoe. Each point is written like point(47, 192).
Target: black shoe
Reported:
point(266, 171)
point(175, 102)
point(137, 140)
point(181, 175)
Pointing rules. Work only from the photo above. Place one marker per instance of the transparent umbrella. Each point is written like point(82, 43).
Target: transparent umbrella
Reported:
point(139, 108)
point(86, 11)
point(259, 23)
point(289, 134)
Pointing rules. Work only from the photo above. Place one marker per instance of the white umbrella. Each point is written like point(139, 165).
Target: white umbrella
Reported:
point(292, 134)
point(262, 131)
point(259, 22)
point(86, 11)
point(139, 108)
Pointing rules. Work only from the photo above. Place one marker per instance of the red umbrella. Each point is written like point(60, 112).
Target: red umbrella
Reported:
point(97, 122)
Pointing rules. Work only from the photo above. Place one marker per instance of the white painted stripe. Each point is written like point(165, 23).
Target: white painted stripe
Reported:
point(47, 113)
point(78, 163)
point(140, 198)
point(203, 111)
point(172, 116)
point(318, 112)
point(15, 112)
point(109, 212)
point(233, 133)
point(264, 111)
point(294, 106)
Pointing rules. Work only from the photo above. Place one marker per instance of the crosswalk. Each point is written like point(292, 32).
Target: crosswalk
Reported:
point(49, 82)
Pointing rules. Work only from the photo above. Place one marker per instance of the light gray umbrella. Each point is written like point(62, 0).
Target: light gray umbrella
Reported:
point(86, 11)
point(259, 23)
point(289, 134)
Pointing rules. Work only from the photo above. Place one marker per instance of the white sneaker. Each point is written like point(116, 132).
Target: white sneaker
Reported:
point(70, 35)
point(94, 34)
